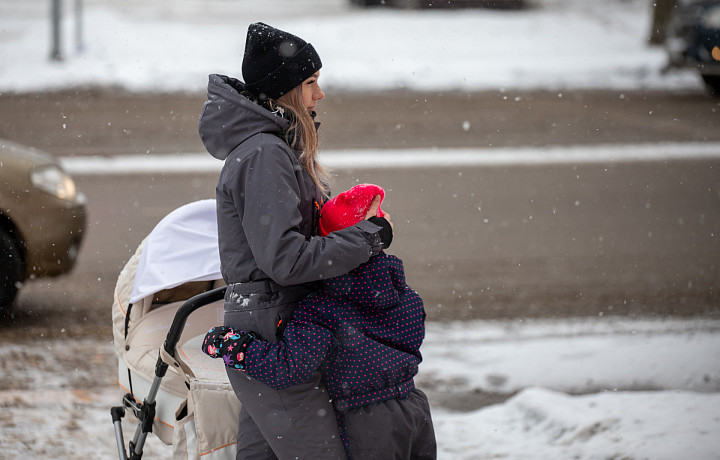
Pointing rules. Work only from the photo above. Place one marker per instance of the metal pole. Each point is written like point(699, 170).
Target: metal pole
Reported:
point(79, 45)
point(117, 414)
point(138, 441)
point(56, 9)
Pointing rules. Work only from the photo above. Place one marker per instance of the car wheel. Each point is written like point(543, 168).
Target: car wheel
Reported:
point(713, 84)
point(12, 270)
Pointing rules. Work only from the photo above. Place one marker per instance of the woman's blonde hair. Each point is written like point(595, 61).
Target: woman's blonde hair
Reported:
point(302, 136)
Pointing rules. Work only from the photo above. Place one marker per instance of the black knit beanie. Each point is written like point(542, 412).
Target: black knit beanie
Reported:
point(276, 61)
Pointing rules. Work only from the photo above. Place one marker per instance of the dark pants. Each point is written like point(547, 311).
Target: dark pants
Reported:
point(396, 429)
point(295, 423)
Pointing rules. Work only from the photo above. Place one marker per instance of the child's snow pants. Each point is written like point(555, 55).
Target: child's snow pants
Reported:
point(396, 429)
point(294, 423)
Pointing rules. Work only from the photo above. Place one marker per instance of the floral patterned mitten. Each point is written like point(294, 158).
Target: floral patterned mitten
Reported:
point(228, 344)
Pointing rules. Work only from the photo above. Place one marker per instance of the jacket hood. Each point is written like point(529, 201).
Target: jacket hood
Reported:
point(229, 118)
point(376, 284)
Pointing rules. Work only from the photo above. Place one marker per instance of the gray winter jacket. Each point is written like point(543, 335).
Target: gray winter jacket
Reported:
point(267, 204)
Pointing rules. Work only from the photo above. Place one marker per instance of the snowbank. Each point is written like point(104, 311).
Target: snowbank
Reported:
point(541, 424)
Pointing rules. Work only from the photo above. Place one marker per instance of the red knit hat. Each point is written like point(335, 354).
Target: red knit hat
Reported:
point(349, 208)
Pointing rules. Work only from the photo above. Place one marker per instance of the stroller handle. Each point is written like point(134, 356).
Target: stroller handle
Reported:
point(192, 304)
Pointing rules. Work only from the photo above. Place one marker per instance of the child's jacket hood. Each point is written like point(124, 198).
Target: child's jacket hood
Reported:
point(375, 285)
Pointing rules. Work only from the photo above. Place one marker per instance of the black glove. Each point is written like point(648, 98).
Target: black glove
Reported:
point(385, 233)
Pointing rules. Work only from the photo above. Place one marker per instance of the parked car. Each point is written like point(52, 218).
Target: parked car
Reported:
point(693, 39)
point(42, 219)
point(505, 4)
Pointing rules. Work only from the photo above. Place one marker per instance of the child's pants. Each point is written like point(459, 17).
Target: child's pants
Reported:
point(294, 423)
point(396, 429)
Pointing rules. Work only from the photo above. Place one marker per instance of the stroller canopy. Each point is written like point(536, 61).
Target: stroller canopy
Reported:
point(182, 247)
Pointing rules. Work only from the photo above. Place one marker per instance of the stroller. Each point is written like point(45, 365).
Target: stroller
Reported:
point(168, 295)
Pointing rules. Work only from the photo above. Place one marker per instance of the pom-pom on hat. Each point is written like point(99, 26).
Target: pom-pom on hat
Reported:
point(276, 61)
point(349, 208)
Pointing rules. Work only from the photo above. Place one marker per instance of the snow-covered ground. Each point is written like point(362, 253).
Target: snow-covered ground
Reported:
point(649, 388)
point(582, 389)
point(152, 45)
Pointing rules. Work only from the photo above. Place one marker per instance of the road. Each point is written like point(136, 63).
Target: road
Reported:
point(105, 122)
point(624, 238)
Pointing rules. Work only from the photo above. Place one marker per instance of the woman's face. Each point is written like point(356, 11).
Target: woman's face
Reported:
point(311, 92)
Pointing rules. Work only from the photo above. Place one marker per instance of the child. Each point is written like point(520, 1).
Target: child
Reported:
point(363, 331)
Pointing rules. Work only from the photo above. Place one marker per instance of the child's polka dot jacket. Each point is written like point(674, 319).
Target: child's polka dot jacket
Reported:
point(364, 329)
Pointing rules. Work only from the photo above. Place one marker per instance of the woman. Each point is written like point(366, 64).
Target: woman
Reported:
point(269, 196)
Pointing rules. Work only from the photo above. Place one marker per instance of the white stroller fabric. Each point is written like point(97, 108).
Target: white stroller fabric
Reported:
point(182, 250)
point(182, 247)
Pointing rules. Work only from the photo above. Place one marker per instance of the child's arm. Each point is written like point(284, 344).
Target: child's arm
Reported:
point(292, 360)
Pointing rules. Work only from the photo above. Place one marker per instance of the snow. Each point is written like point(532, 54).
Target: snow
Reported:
point(542, 424)
point(585, 389)
point(155, 46)
point(594, 388)
point(588, 356)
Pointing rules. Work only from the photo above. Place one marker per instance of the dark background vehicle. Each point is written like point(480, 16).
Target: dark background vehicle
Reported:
point(422, 4)
point(693, 40)
point(42, 219)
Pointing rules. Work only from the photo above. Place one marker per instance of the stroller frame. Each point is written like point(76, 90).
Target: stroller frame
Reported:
point(145, 411)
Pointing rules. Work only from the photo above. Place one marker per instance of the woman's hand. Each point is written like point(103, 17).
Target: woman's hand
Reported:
point(374, 207)
point(386, 226)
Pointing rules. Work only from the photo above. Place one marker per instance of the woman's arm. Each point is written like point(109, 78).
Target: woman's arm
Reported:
point(267, 193)
point(291, 361)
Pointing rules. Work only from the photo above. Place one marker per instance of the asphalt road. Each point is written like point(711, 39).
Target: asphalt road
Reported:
point(478, 242)
point(106, 122)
